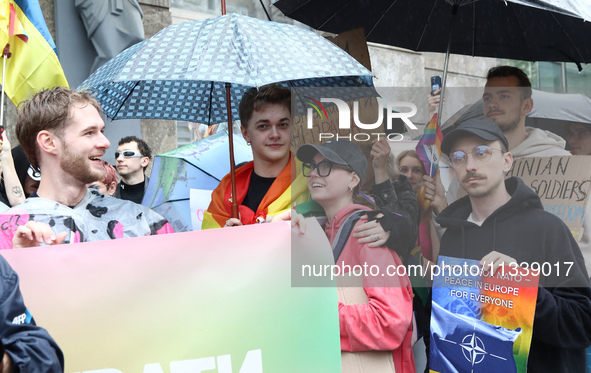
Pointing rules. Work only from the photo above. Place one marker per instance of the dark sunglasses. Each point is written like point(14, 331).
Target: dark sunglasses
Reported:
point(128, 154)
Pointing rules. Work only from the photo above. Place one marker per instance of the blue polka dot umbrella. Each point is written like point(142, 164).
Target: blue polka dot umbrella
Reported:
point(198, 71)
point(181, 72)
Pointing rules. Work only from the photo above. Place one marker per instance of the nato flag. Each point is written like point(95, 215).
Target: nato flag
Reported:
point(463, 344)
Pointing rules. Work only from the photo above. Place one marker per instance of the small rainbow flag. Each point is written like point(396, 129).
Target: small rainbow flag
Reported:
point(429, 146)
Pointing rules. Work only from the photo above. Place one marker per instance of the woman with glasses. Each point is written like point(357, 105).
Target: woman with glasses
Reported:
point(335, 172)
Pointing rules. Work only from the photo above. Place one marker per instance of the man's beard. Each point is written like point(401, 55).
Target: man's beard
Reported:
point(77, 166)
point(506, 124)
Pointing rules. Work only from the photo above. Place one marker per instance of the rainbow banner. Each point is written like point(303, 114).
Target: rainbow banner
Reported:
point(34, 63)
point(481, 322)
point(429, 146)
point(214, 301)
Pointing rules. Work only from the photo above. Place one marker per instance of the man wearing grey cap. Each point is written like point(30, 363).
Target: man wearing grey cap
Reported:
point(502, 222)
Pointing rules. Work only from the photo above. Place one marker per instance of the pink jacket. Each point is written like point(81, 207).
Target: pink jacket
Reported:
point(385, 322)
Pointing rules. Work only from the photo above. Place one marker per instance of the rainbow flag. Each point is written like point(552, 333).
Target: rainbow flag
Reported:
point(429, 146)
point(34, 63)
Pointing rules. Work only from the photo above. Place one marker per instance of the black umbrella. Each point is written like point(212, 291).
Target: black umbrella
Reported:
point(529, 30)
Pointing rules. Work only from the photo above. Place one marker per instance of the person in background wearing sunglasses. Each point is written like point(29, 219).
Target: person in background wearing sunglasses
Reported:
point(133, 156)
point(503, 223)
point(61, 132)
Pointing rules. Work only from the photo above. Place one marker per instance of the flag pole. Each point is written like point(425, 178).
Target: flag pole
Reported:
point(234, 206)
point(4, 57)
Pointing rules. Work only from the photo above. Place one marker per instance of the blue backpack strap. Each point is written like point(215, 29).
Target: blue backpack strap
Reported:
point(344, 232)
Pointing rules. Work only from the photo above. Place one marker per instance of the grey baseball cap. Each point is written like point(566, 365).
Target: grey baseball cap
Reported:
point(485, 129)
point(340, 151)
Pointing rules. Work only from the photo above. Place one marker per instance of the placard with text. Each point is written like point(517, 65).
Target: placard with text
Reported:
point(481, 320)
point(563, 184)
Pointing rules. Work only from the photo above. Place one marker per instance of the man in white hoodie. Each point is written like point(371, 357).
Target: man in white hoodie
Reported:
point(506, 101)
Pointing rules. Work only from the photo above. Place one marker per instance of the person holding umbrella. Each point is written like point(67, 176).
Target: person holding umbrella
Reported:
point(264, 186)
point(268, 187)
point(61, 131)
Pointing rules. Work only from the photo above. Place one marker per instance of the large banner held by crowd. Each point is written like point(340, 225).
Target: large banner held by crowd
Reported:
point(214, 301)
point(480, 321)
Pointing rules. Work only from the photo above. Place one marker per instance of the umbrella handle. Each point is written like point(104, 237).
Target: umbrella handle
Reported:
point(234, 207)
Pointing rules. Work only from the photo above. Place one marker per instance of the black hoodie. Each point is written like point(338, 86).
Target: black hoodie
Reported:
point(522, 230)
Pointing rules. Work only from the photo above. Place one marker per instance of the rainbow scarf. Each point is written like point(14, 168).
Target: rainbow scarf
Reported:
point(277, 200)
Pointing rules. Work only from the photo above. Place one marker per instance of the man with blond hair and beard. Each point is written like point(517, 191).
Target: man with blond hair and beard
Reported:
point(61, 132)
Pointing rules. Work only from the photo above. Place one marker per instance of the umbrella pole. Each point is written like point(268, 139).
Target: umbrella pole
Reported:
point(234, 209)
point(2, 99)
point(454, 11)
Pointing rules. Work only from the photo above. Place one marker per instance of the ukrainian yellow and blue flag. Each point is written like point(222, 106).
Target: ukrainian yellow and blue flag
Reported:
point(33, 64)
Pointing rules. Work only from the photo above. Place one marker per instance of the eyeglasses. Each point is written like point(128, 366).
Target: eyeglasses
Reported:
point(323, 168)
point(480, 153)
point(128, 154)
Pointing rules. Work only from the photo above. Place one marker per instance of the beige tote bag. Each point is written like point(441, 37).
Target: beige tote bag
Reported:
point(350, 291)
